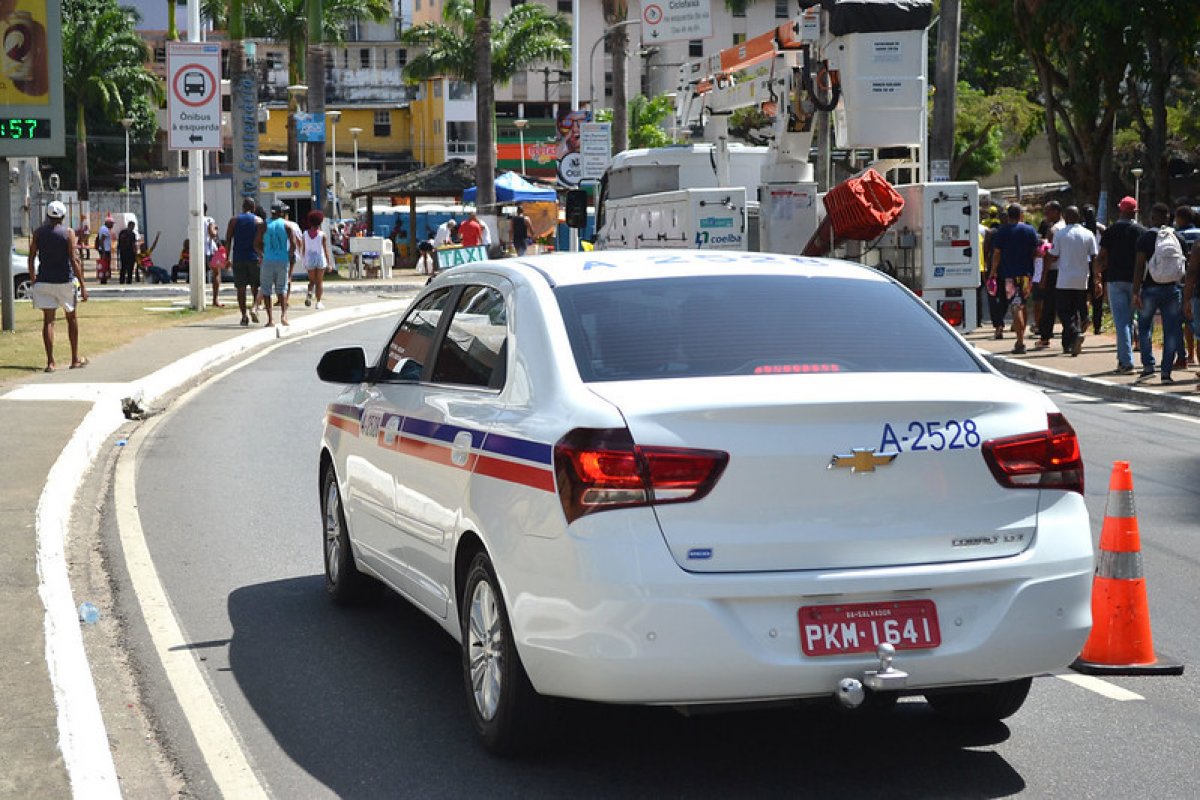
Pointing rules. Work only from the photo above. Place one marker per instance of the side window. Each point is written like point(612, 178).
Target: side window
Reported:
point(473, 352)
point(412, 343)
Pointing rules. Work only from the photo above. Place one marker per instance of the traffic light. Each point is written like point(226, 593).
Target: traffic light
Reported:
point(577, 208)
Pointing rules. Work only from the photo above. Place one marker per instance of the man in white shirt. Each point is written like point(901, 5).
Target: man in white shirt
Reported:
point(1073, 253)
point(445, 233)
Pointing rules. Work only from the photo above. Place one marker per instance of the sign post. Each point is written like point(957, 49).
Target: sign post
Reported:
point(194, 124)
point(676, 20)
point(595, 149)
point(193, 96)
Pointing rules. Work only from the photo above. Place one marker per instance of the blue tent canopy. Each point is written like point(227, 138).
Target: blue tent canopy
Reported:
point(512, 188)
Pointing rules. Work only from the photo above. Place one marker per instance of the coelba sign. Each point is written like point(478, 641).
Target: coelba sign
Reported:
point(725, 241)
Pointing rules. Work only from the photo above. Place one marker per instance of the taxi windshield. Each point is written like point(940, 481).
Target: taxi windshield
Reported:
point(683, 327)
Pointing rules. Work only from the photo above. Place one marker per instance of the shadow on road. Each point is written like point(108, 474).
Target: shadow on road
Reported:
point(370, 702)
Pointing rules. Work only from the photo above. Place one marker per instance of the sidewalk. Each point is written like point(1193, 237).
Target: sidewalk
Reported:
point(1092, 372)
point(40, 415)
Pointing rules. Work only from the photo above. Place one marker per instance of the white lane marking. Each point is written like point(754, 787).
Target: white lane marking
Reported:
point(215, 737)
point(1083, 398)
point(1101, 687)
point(218, 742)
point(77, 392)
point(82, 737)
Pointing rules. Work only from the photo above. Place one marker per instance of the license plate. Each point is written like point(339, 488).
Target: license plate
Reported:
point(862, 627)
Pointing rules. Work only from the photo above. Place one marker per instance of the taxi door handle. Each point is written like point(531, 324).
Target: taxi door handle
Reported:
point(460, 451)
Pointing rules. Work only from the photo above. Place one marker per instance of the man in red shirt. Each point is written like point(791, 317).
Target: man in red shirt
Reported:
point(474, 232)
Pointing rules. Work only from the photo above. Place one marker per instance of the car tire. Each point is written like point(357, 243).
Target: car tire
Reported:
point(983, 704)
point(22, 287)
point(509, 716)
point(344, 583)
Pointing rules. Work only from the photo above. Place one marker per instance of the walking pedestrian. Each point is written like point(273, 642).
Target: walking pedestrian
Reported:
point(1072, 254)
point(60, 282)
point(1051, 224)
point(1095, 295)
point(1116, 262)
point(212, 240)
point(240, 235)
point(1189, 234)
point(295, 232)
point(317, 258)
point(522, 231)
point(1156, 288)
point(276, 247)
point(127, 241)
point(1014, 247)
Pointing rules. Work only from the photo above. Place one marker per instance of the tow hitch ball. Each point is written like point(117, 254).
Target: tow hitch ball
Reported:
point(850, 691)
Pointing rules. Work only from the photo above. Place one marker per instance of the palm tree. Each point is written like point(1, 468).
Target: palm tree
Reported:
point(618, 38)
point(464, 46)
point(287, 21)
point(103, 69)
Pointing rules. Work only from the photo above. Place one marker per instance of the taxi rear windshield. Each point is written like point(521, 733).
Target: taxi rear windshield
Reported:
point(752, 325)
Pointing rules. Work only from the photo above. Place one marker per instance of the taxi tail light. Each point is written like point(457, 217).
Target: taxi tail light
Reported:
point(1048, 459)
point(600, 469)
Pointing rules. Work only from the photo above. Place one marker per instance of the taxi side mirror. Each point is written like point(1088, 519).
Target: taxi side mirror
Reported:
point(344, 365)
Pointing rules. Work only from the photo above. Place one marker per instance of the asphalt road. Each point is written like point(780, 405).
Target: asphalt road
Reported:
point(369, 702)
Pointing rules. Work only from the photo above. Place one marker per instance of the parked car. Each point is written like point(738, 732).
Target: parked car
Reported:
point(20, 271)
point(695, 479)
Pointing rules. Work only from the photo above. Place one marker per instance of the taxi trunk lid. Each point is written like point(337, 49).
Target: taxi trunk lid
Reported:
point(796, 495)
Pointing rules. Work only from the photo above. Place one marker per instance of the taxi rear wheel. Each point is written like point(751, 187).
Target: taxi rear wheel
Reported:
point(508, 714)
point(344, 583)
point(983, 704)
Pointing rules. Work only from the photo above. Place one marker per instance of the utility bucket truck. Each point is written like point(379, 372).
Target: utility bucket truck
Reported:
point(863, 62)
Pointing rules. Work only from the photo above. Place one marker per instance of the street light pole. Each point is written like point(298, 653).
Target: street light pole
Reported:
point(295, 92)
point(127, 123)
point(1137, 173)
point(521, 123)
point(334, 116)
point(592, 59)
point(355, 132)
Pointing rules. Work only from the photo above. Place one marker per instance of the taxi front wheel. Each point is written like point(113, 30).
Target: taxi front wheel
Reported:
point(344, 583)
point(981, 704)
point(508, 714)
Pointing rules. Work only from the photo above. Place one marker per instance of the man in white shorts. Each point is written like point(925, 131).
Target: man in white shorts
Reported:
point(53, 245)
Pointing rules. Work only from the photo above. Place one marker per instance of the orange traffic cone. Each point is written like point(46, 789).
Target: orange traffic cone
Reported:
point(1120, 642)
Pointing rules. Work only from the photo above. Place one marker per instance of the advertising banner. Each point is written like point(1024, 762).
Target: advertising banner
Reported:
point(31, 100)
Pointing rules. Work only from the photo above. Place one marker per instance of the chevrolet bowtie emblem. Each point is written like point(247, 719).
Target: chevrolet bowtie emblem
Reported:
point(862, 460)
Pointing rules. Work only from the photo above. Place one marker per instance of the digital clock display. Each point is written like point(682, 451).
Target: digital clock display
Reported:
point(24, 128)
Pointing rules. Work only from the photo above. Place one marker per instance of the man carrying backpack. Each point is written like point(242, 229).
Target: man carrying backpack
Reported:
point(1156, 277)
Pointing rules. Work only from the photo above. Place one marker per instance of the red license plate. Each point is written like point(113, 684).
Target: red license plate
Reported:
point(862, 627)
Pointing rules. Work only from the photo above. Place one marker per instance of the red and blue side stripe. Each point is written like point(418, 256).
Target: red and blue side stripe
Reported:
point(494, 455)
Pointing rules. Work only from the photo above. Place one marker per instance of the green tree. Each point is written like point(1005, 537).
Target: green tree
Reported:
point(465, 46)
point(645, 121)
point(103, 72)
point(984, 123)
point(1162, 62)
point(1079, 52)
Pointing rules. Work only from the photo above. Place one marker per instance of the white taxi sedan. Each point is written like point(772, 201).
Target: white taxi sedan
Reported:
point(690, 478)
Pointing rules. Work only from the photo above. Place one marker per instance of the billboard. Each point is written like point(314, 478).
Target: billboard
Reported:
point(31, 99)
